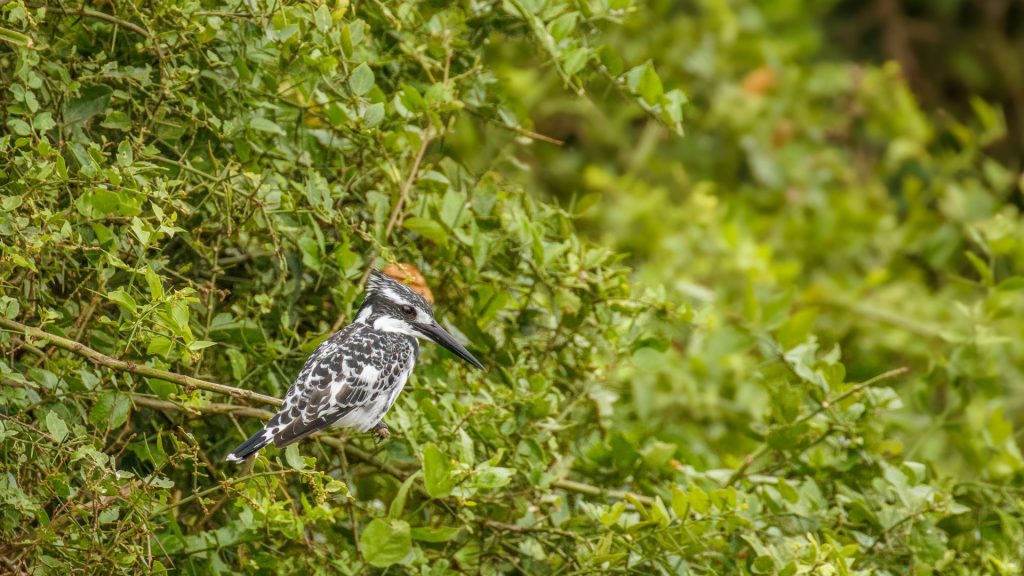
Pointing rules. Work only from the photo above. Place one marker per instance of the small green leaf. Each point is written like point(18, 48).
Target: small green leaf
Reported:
point(644, 81)
point(159, 346)
point(680, 502)
point(699, 500)
point(561, 27)
point(198, 345)
point(429, 229)
point(361, 80)
point(15, 38)
point(294, 457)
point(125, 156)
point(123, 299)
point(373, 114)
point(56, 426)
point(322, 17)
point(264, 125)
point(385, 541)
point(161, 388)
point(437, 472)
point(398, 504)
point(19, 126)
point(155, 283)
point(110, 410)
point(90, 102)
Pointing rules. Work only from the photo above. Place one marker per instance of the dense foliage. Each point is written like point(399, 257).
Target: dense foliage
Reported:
point(787, 341)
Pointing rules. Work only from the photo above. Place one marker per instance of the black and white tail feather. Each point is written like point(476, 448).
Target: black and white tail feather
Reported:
point(353, 378)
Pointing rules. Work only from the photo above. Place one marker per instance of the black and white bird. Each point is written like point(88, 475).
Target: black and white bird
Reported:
point(353, 378)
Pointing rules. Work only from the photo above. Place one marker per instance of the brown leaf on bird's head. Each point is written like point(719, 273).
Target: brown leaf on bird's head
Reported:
point(410, 276)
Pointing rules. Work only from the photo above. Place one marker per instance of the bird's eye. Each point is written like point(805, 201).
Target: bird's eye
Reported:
point(408, 310)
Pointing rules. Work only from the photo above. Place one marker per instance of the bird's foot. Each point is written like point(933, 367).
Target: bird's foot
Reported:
point(381, 431)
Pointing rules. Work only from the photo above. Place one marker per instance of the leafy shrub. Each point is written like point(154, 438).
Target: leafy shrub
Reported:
point(786, 342)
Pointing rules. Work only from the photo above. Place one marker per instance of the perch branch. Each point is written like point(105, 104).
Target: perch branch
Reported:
point(101, 359)
point(218, 408)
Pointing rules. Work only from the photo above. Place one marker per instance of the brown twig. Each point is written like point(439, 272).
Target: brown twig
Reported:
point(186, 382)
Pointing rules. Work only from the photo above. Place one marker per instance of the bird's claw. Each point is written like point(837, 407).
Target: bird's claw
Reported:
point(381, 431)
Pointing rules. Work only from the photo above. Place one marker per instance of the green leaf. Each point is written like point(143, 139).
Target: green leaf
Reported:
point(797, 328)
point(561, 27)
point(155, 283)
point(125, 155)
point(429, 229)
point(19, 126)
point(385, 541)
point(159, 346)
point(699, 500)
point(398, 504)
point(680, 502)
point(361, 80)
point(123, 299)
point(645, 82)
point(197, 345)
point(373, 114)
point(9, 307)
point(265, 125)
point(110, 410)
point(437, 472)
point(161, 388)
point(91, 101)
point(322, 17)
point(294, 457)
point(15, 38)
point(56, 426)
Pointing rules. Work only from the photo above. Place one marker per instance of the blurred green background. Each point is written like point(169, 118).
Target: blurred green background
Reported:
point(748, 277)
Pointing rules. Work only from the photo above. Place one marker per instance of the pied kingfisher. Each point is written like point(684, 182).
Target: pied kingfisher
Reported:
point(353, 377)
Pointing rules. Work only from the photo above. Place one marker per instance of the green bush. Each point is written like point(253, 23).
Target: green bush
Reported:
point(786, 342)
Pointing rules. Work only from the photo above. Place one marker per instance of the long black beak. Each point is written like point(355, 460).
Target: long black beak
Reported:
point(434, 331)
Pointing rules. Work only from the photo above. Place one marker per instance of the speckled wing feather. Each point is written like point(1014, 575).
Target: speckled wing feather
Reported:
point(351, 380)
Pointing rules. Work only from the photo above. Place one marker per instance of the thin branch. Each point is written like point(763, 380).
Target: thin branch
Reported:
point(101, 359)
point(517, 129)
point(396, 213)
point(403, 194)
point(591, 490)
point(90, 13)
point(825, 405)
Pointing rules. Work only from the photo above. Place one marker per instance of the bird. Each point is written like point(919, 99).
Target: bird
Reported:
point(353, 378)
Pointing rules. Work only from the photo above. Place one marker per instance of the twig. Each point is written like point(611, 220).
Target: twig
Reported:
point(537, 28)
point(186, 382)
point(825, 404)
point(396, 213)
point(403, 194)
point(90, 13)
point(880, 314)
point(591, 490)
point(517, 129)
